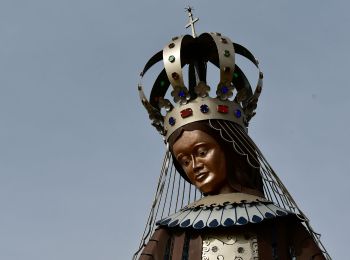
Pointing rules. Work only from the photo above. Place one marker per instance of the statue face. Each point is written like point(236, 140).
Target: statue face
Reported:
point(203, 161)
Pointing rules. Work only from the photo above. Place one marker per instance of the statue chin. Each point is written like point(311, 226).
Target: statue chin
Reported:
point(216, 190)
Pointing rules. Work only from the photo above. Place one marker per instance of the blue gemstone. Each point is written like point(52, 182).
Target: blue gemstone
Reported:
point(182, 93)
point(224, 89)
point(172, 121)
point(238, 113)
point(204, 109)
point(199, 225)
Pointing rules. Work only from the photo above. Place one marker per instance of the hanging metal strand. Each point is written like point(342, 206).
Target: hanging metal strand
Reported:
point(172, 190)
point(159, 199)
point(166, 193)
point(150, 220)
point(183, 192)
point(178, 192)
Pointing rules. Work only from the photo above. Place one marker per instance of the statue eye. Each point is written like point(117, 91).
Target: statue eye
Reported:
point(202, 152)
point(185, 161)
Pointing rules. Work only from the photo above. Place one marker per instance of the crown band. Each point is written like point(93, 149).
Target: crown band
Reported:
point(203, 109)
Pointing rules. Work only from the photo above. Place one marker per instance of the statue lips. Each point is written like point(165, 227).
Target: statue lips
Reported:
point(201, 176)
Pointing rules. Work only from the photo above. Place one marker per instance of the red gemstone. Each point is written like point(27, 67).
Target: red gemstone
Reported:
point(222, 109)
point(186, 112)
point(175, 76)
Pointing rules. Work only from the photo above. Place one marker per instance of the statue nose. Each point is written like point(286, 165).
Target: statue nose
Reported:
point(196, 164)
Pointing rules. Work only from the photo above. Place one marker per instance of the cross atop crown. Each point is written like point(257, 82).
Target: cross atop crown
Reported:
point(191, 21)
point(234, 99)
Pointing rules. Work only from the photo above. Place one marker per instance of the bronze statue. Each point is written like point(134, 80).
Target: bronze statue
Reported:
point(244, 210)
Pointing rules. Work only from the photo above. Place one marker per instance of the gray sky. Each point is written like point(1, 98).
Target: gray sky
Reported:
point(78, 158)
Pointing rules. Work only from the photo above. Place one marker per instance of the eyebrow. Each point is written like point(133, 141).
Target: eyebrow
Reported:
point(198, 145)
point(194, 147)
point(179, 156)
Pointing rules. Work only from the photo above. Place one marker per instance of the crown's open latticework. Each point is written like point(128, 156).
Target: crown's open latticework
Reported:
point(192, 101)
point(229, 113)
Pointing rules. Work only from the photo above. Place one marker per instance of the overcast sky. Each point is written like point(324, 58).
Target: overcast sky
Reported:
point(79, 160)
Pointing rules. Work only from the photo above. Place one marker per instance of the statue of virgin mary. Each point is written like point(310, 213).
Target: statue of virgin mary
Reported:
point(217, 196)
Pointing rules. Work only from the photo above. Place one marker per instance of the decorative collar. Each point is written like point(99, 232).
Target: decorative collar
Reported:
point(224, 210)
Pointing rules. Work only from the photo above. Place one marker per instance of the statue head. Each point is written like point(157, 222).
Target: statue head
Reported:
point(203, 161)
point(207, 160)
point(196, 103)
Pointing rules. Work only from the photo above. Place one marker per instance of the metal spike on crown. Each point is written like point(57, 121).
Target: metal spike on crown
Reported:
point(192, 102)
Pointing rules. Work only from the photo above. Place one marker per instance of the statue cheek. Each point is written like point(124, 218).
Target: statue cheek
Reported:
point(191, 176)
point(218, 161)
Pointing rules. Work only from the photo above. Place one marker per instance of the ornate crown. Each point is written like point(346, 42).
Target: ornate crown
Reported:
point(192, 102)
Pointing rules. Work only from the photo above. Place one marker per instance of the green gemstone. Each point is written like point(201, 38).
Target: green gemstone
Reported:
point(162, 83)
point(235, 74)
point(227, 53)
point(171, 58)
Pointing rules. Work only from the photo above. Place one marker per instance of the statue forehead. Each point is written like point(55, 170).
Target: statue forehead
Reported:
point(190, 138)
